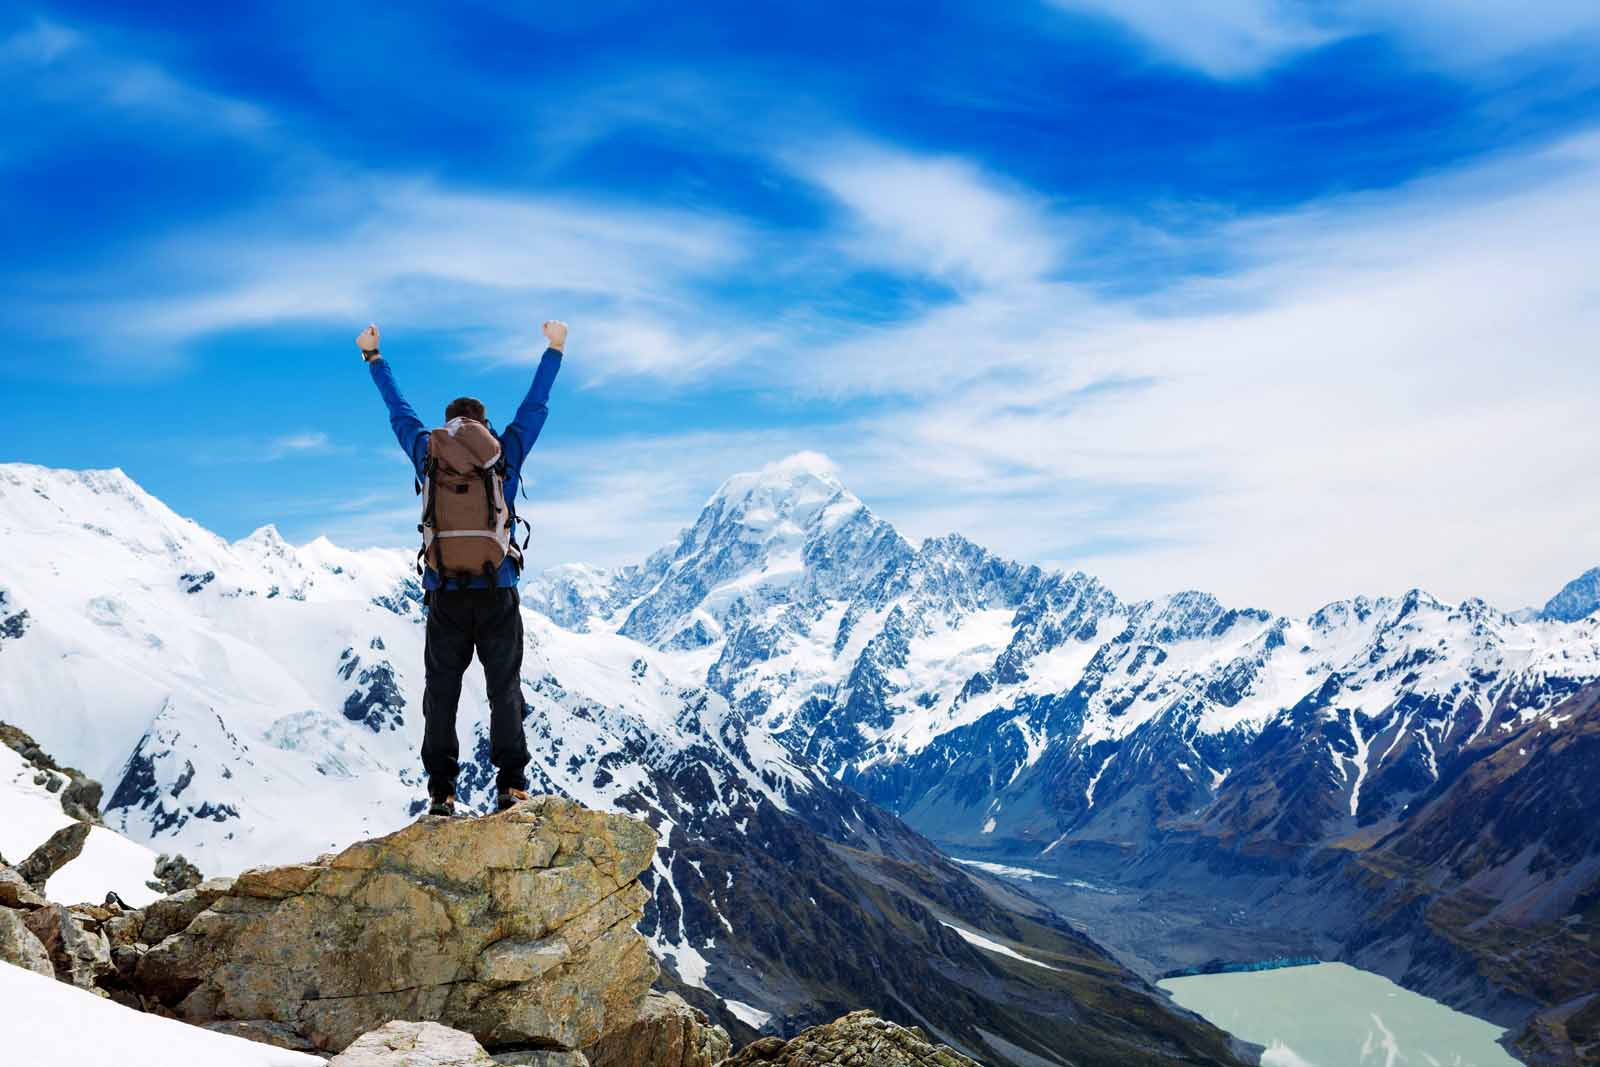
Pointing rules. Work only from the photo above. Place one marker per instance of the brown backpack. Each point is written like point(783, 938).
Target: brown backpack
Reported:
point(466, 520)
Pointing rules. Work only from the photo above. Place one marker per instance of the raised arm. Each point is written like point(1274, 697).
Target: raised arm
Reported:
point(524, 428)
point(408, 429)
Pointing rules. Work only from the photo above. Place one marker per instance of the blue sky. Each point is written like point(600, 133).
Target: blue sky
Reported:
point(1284, 300)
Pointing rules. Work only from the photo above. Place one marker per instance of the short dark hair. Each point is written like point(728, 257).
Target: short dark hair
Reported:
point(465, 407)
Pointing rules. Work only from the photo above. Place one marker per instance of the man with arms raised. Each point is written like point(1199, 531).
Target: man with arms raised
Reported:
point(468, 478)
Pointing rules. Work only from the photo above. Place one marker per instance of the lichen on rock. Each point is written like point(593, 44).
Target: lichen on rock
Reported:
point(858, 1038)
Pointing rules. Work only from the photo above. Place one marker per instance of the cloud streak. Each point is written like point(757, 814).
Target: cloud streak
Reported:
point(1228, 39)
point(937, 216)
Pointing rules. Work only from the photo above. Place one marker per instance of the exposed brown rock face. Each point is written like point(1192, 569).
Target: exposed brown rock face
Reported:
point(667, 1033)
point(165, 917)
point(78, 951)
point(20, 947)
point(15, 892)
point(858, 1038)
point(517, 928)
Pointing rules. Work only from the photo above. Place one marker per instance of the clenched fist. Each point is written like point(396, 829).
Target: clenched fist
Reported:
point(367, 341)
point(555, 331)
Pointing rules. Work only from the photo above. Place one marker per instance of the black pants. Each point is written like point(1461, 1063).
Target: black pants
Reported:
point(459, 621)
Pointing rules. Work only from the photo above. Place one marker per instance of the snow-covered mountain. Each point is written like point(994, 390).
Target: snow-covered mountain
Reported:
point(256, 702)
point(1001, 707)
point(1228, 767)
point(1578, 599)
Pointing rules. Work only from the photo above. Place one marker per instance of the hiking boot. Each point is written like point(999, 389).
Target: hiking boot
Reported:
point(510, 798)
point(442, 806)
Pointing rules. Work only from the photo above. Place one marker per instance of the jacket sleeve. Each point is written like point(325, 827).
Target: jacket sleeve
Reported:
point(524, 429)
point(408, 429)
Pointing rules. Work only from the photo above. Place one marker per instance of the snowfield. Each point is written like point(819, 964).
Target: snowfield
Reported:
point(52, 1024)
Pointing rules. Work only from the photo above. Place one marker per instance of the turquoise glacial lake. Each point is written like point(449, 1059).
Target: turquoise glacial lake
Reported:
point(1334, 1015)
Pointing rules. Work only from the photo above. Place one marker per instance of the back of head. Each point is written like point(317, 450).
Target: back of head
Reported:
point(466, 407)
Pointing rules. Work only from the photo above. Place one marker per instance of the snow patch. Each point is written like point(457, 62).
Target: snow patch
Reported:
point(50, 1022)
point(994, 946)
point(750, 1016)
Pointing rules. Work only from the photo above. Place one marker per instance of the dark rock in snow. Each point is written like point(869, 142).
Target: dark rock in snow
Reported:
point(63, 846)
point(174, 874)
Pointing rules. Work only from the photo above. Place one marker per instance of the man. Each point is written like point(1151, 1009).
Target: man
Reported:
point(468, 612)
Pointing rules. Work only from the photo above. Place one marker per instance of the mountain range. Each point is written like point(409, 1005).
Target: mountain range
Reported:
point(254, 702)
point(814, 711)
point(1188, 778)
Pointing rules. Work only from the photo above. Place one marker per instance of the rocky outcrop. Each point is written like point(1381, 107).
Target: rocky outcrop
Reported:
point(20, 947)
point(15, 892)
point(858, 1038)
point(80, 794)
point(517, 928)
point(174, 874)
point(667, 1033)
point(171, 914)
point(79, 953)
point(62, 847)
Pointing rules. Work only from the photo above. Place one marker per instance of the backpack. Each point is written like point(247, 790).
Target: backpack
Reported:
point(466, 522)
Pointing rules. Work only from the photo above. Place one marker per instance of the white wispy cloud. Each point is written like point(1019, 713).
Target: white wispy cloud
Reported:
point(414, 255)
point(61, 64)
point(941, 217)
point(1398, 388)
point(1243, 38)
point(295, 444)
point(1222, 38)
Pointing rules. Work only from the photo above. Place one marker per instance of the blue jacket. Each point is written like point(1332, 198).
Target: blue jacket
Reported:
point(515, 441)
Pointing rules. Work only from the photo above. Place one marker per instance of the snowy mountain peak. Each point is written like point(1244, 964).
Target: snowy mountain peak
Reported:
point(48, 482)
point(1578, 599)
point(784, 498)
point(265, 535)
point(797, 474)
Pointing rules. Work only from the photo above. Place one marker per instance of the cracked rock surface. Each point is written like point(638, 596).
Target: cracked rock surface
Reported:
point(517, 929)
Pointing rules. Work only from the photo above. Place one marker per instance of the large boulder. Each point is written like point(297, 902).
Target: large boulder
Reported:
point(15, 892)
point(667, 1033)
point(409, 1044)
point(79, 953)
point(167, 916)
point(858, 1038)
point(516, 928)
point(20, 947)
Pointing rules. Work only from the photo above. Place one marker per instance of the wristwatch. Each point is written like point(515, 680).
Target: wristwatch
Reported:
point(370, 356)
